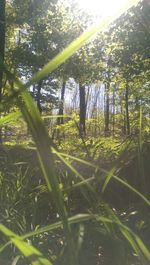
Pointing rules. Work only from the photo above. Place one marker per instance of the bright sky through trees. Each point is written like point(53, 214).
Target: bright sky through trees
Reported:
point(102, 8)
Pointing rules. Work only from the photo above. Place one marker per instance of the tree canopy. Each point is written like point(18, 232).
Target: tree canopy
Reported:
point(75, 141)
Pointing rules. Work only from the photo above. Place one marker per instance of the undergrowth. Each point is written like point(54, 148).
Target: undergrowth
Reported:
point(64, 211)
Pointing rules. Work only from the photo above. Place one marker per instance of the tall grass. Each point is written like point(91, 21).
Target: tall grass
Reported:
point(44, 147)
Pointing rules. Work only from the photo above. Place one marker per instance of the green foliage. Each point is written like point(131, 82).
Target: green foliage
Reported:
point(66, 213)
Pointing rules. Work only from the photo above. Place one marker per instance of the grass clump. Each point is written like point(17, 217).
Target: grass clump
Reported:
point(58, 213)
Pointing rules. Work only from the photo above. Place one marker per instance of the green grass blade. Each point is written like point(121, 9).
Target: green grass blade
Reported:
point(43, 144)
point(72, 220)
point(30, 252)
point(121, 181)
point(124, 183)
point(40, 135)
point(130, 236)
point(9, 118)
point(56, 116)
point(79, 42)
point(108, 178)
point(2, 248)
point(134, 240)
point(80, 184)
point(144, 250)
point(73, 170)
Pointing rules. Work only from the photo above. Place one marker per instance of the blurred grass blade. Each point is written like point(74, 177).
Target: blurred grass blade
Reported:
point(130, 236)
point(74, 170)
point(72, 220)
point(80, 184)
point(9, 118)
point(30, 252)
point(15, 261)
point(108, 178)
point(79, 218)
point(131, 241)
point(2, 248)
point(56, 116)
point(124, 183)
point(134, 240)
point(142, 247)
point(83, 180)
point(43, 144)
point(79, 42)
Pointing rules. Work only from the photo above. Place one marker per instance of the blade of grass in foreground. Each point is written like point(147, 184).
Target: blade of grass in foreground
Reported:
point(79, 218)
point(39, 133)
point(43, 145)
point(124, 183)
point(56, 116)
point(79, 42)
point(30, 252)
point(9, 118)
point(2, 248)
point(134, 240)
point(130, 236)
point(76, 173)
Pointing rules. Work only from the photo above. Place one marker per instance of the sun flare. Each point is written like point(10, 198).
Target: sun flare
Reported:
point(101, 8)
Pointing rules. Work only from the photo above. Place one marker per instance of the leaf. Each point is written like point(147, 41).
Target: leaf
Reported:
point(108, 178)
point(15, 261)
point(9, 118)
point(30, 252)
point(79, 42)
point(40, 135)
point(72, 220)
point(124, 183)
point(134, 240)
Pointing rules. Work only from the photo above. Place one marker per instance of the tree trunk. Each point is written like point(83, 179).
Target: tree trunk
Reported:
point(107, 116)
point(2, 47)
point(127, 109)
point(114, 111)
point(60, 120)
point(82, 109)
point(38, 98)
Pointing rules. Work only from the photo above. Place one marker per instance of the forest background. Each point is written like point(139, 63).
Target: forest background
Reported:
point(94, 153)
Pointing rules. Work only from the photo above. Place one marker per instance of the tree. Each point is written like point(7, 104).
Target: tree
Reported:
point(39, 39)
point(129, 44)
point(2, 47)
point(60, 120)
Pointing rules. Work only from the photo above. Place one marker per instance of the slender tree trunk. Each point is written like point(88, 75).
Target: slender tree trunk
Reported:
point(107, 116)
point(127, 109)
point(94, 107)
point(124, 123)
point(60, 120)
point(82, 109)
point(122, 120)
point(2, 47)
point(113, 111)
point(38, 98)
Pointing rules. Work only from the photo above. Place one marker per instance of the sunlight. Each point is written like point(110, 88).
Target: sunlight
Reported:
point(101, 8)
